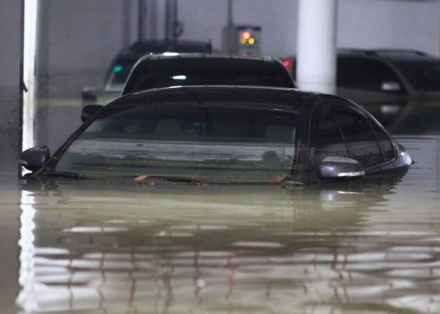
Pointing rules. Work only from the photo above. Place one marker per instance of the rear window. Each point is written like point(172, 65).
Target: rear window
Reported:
point(226, 143)
point(207, 72)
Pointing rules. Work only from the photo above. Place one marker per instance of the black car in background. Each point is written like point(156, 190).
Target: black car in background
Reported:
point(158, 71)
point(123, 63)
point(225, 134)
point(384, 76)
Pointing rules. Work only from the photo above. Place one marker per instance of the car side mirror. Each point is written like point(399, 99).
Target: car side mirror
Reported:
point(89, 111)
point(34, 158)
point(89, 93)
point(391, 86)
point(340, 168)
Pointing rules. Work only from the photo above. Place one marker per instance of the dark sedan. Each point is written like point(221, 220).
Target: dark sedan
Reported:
point(226, 134)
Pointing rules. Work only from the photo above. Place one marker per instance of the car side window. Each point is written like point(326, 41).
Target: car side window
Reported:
point(385, 141)
point(326, 137)
point(363, 73)
point(359, 136)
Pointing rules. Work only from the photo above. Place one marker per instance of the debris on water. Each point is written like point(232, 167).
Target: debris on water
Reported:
point(141, 178)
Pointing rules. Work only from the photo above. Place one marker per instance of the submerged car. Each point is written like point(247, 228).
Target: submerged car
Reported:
point(225, 134)
point(124, 62)
point(157, 71)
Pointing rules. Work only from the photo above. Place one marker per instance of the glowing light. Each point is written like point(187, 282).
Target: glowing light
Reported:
point(179, 77)
point(246, 35)
point(251, 41)
point(243, 41)
point(117, 68)
point(170, 54)
point(286, 63)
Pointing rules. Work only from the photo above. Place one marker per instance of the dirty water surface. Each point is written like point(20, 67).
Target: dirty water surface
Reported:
point(371, 246)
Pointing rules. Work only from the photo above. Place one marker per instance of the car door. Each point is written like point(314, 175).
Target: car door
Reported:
point(367, 80)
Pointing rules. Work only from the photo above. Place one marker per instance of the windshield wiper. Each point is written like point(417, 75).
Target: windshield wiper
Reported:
point(64, 174)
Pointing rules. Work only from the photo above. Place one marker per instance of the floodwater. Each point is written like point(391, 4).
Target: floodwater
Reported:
point(371, 246)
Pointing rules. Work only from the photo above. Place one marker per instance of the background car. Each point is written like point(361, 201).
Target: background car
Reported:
point(157, 71)
point(384, 76)
point(123, 63)
point(228, 134)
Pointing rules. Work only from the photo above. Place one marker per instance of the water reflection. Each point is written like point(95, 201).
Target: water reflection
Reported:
point(220, 249)
point(420, 116)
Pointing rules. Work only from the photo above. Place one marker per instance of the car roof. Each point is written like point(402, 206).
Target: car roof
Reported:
point(140, 48)
point(200, 56)
point(276, 95)
point(389, 54)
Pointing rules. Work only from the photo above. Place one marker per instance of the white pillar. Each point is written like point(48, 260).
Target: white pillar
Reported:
point(30, 35)
point(316, 63)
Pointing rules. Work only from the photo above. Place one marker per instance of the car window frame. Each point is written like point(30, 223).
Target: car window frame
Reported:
point(370, 119)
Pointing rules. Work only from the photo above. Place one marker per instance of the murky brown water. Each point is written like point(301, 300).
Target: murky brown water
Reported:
point(368, 247)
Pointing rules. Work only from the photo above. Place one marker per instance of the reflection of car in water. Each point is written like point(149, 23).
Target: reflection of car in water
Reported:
point(128, 245)
point(226, 134)
point(384, 76)
point(121, 66)
point(414, 117)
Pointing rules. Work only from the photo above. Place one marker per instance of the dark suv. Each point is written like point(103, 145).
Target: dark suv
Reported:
point(384, 76)
point(157, 71)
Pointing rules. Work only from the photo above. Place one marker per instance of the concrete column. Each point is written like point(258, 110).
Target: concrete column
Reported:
point(11, 53)
point(316, 64)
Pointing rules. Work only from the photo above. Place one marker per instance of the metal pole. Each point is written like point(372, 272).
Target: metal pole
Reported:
point(231, 27)
point(170, 19)
point(142, 20)
point(316, 65)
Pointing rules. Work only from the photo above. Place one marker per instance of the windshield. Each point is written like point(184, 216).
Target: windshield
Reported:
point(423, 75)
point(223, 143)
point(165, 73)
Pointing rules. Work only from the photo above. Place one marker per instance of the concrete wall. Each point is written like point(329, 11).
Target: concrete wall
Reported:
point(387, 23)
point(205, 19)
